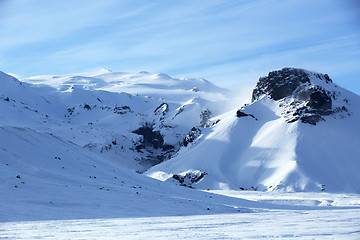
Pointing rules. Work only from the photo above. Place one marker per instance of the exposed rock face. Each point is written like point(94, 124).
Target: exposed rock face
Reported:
point(193, 134)
point(306, 96)
point(122, 109)
point(152, 145)
point(189, 178)
point(150, 137)
point(240, 114)
point(280, 84)
point(320, 100)
point(288, 81)
point(162, 109)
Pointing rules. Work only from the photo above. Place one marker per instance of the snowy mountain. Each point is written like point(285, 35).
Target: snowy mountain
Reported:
point(71, 144)
point(299, 133)
point(69, 153)
point(135, 129)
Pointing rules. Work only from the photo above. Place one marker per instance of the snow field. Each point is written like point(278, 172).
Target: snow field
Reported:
point(279, 224)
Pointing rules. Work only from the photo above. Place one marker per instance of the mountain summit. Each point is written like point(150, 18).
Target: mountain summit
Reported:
point(305, 95)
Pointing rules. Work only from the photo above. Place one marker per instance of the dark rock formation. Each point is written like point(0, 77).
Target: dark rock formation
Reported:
point(191, 136)
point(283, 83)
point(161, 110)
point(189, 178)
point(150, 137)
point(240, 114)
point(320, 100)
point(152, 145)
point(280, 84)
point(311, 119)
point(122, 109)
point(299, 92)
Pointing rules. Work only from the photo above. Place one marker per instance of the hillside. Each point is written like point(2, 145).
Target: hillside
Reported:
point(72, 153)
point(105, 113)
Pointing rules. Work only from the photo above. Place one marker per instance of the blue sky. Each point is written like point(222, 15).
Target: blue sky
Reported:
point(230, 43)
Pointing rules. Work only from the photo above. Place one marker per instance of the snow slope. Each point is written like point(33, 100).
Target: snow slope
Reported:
point(287, 143)
point(71, 153)
point(157, 86)
point(44, 177)
point(93, 111)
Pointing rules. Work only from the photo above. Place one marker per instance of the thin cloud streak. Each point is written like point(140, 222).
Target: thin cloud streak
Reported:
point(223, 41)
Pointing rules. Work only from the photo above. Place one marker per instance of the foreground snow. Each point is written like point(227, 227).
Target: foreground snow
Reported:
point(284, 224)
point(293, 216)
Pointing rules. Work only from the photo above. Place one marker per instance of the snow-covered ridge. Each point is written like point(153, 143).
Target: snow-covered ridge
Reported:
point(143, 83)
point(263, 146)
point(104, 111)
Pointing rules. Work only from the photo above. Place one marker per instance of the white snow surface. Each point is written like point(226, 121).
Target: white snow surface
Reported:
point(319, 224)
point(157, 86)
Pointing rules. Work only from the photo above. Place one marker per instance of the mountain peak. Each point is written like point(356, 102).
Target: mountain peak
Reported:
point(282, 83)
point(305, 95)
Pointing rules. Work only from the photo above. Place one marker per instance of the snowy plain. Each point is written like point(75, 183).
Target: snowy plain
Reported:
point(312, 223)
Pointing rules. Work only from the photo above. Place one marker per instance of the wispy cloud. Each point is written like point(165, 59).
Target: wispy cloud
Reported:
point(228, 42)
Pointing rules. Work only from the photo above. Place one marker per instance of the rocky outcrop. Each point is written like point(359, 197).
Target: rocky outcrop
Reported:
point(320, 100)
point(152, 145)
point(122, 109)
point(150, 137)
point(189, 178)
point(240, 114)
point(284, 83)
point(304, 95)
point(162, 109)
point(193, 134)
